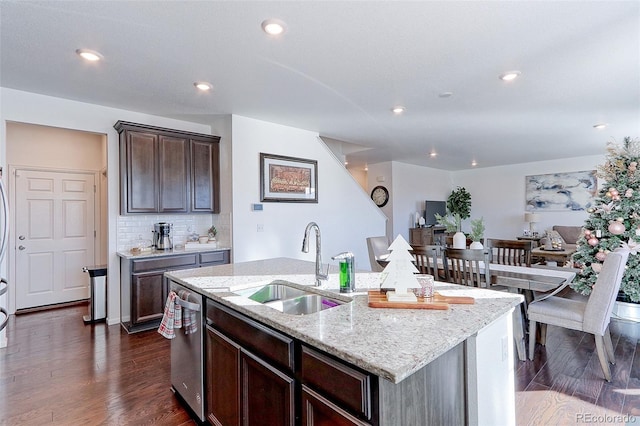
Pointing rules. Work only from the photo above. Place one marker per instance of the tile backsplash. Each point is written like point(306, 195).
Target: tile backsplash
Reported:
point(132, 228)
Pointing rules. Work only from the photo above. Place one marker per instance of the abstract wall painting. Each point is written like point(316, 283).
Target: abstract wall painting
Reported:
point(571, 191)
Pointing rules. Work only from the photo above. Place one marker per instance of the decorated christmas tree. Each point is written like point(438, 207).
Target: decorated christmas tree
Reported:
point(614, 221)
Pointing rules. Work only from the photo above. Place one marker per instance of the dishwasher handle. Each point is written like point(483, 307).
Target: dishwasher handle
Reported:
point(188, 305)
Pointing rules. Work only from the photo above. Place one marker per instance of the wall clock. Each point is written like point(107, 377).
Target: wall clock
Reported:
point(380, 195)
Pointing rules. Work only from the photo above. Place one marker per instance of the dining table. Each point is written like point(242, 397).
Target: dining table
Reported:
point(534, 282)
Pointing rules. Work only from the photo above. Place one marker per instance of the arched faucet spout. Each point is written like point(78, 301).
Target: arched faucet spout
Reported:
point(305, 249)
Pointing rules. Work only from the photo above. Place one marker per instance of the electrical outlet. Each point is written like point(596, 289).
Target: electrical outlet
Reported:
point(260, 227)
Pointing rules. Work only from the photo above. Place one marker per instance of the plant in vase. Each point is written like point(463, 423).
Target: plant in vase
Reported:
point(459, 205)
point(477, 233)
point(212, 232)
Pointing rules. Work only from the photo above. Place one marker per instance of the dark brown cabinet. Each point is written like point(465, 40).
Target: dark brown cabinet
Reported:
point(144, 289)
point(167, 171)
point(223, 371)
point(148, 293)
point(426, 236)
point(249, 371)
point(319, 411)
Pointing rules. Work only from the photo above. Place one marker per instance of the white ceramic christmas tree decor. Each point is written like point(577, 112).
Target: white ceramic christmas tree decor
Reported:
point(399, 273)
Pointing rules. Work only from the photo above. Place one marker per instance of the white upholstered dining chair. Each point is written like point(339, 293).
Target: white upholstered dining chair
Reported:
point(377, 246)
point(592, 316)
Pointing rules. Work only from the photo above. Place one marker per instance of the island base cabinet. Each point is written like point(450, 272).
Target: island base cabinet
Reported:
point(267, 394)
point(319, 411)
point(223, 370)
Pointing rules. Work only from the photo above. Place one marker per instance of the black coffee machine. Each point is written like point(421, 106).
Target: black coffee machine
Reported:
point(162, 236)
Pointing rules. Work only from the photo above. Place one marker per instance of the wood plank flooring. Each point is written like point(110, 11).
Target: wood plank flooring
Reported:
point(56, 370)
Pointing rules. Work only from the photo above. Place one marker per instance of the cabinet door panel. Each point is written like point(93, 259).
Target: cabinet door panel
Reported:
point(267, 394)
point(141, 172)
point(223, 379)
point(205, 177)
point(147, 297)
point(319, 411)
point(174, 176)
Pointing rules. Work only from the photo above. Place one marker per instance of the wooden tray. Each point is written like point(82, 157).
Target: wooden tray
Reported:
point(378, 299)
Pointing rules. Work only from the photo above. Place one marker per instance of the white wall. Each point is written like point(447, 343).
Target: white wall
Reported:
point(412, 185)
point(345, 215)
point(498, 195)
point(32, 108)
point(382, 174)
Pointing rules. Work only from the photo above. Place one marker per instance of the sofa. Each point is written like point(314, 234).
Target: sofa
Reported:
point(569, 234)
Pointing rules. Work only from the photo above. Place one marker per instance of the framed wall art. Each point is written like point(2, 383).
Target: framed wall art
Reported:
point(288, 179)
point(571, 191)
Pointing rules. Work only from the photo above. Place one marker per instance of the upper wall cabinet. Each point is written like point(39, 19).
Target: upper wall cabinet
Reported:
point(167, 171)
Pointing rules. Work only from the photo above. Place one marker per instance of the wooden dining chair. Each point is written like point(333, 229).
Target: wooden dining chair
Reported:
point(592, 316)
point(426, 259)
point(510, 252)
point(467, 267)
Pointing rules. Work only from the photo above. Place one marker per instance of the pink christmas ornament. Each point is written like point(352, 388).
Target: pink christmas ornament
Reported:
point(614, 192)
point(587, 232)
point(628, 193)
point(601, 256)
point(597, 267)
point(616, 228)
point(593, 241)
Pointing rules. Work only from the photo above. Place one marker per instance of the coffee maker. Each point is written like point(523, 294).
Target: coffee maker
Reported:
point(162, 236)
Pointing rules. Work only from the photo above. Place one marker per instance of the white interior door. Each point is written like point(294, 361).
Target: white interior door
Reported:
point(55, 236)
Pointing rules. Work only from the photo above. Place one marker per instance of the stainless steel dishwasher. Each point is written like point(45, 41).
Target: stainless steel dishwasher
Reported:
point(187, 361)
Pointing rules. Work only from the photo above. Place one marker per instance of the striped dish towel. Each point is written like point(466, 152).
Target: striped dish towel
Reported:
point(188, 315)
point(172, 317)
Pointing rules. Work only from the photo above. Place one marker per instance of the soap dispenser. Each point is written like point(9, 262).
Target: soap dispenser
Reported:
point(347, 272)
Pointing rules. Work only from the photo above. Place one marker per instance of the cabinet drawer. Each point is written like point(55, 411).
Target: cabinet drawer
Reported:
point(252, 335)
point(168, 262)
point(345, 385)
point(319, 410)
point(217, 257)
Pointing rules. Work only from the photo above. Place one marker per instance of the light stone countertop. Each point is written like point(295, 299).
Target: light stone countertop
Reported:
point(161, 253)
point(390, 343)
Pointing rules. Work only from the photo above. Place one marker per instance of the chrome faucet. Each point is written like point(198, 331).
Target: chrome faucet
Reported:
point(305, 249)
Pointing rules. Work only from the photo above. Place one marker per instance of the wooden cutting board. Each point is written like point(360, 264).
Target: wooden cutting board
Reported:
point(378, 299)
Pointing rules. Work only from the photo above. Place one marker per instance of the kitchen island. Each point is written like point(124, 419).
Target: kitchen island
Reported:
point(418, 366)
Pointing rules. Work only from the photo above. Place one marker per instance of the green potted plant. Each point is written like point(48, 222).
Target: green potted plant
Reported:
point(212, 232)
point(477, 233)
point(459, 206)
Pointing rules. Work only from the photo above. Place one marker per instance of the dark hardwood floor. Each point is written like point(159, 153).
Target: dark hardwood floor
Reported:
point(56, 370)
point(564, 384)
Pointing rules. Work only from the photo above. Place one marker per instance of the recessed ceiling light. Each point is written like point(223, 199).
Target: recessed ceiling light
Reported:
point(474, 163)
point(398, 109)
point(600, 126)
point(89, 55)
point(366, 168)
point(203, 85)
point(510, 75)
point(433, 154)
point(445, 94)
point(273, 27)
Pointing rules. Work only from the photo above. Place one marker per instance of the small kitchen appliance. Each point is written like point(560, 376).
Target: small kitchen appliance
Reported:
point(162, 236)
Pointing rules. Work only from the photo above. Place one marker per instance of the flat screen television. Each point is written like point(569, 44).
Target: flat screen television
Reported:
point(430, 210)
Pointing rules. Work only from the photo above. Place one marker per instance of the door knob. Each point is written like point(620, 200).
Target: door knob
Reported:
point(21, 247)
point(21, 237)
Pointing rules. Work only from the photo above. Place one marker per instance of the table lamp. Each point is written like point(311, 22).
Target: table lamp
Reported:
point(531, 218)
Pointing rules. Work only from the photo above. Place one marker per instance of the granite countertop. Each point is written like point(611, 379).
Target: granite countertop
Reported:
point(390, 343)
point(159, 253)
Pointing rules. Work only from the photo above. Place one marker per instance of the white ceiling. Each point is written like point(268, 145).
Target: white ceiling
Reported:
point(341, 66)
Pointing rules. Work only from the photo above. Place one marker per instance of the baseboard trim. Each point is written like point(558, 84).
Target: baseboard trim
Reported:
point(54, 306)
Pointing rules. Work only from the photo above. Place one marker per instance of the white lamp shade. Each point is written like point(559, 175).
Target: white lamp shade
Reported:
point(532, 217)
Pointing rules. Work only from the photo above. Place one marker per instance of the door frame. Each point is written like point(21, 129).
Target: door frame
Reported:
point(11, 247)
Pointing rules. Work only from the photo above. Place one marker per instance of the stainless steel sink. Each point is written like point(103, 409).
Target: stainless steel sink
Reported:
point(289, 300)
point(303, 305)
point(271, 292)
